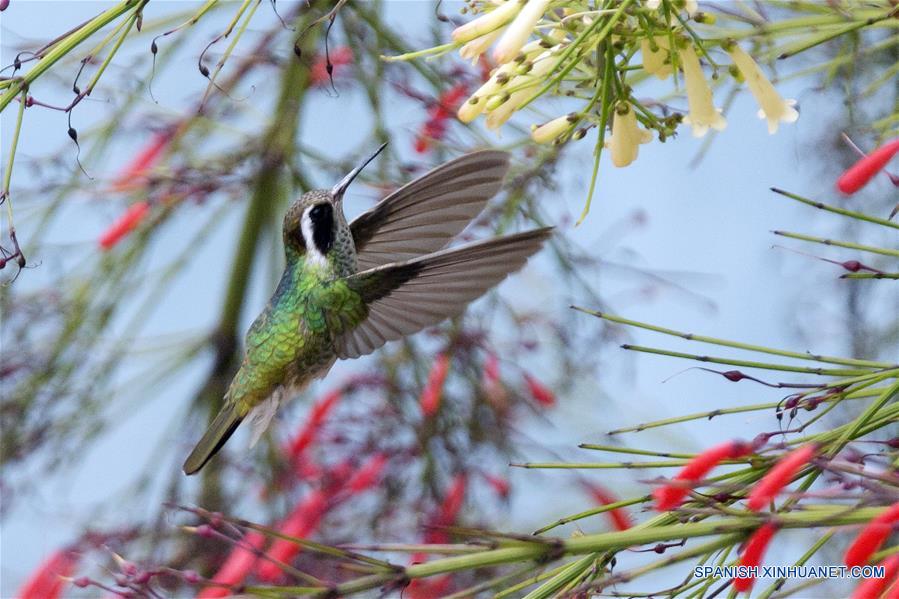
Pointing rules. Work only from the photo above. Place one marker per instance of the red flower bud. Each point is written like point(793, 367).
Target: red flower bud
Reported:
point(499, 484)
point(540, 392)
point(670, 496)
point(301, 523)
point(872, 537)
point(872, 588)
point(316, 418)
point(858, 175)
point(48, 581)
point(237, 566)
point(753, 553)
point(134, 174)
point(124, 225)
point(779, 476)
point(368, 475)
point(619, 517)
point(319, 75)
point(433, 391)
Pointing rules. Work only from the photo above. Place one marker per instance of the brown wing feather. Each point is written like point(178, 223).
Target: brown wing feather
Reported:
point(423, 215)
point(407, 297)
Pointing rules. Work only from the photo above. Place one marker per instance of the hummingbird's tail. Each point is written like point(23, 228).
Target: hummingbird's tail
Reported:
point(214, 438)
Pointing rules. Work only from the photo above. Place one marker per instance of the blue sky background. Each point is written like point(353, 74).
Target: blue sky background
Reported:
point(707, 231)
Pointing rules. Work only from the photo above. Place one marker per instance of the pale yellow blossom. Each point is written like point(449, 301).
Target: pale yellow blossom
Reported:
point(771, 105)
point(473, 49)
point(703, 113)
point(626, 136)
point(488, 22)
point(518, 32)
point(552, 130)
point(655, 63)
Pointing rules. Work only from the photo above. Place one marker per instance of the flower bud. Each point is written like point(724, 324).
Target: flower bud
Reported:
point(553, 129)
point(488, 22)
point(518, 32)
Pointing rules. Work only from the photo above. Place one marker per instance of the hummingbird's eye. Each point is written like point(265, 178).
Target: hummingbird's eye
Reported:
point(321, 218)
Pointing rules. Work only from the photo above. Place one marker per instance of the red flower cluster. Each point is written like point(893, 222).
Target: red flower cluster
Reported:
point(433, 391)
point(439, 116)
point(302, 522)
point(671, 495)
point(319, 74)
point(860, 173)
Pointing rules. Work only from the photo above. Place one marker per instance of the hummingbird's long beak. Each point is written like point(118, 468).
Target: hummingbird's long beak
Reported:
point(337, 190)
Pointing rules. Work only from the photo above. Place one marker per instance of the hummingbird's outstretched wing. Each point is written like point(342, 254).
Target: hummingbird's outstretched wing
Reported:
point(423, 215)
point(406, 297)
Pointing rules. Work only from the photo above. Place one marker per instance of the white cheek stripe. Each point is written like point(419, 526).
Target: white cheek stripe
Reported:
point(313, 256)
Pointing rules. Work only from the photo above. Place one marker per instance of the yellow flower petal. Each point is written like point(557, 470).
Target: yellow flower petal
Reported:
point(488, 22)
point(703, 113)
point(517, 33)
point(771, 105)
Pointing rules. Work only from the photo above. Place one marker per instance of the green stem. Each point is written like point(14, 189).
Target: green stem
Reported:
point(736, 344)
point(65, 46)
point(835, 210)
point(842, 244)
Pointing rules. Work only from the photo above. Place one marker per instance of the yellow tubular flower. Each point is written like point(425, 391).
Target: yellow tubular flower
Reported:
point(471, 108)
point(703, 113)
point(519, 31)
point(654, 62)
point(626, 136)
point(771, 105)
point(525, 85)
point(487, 23)
point(552, 130)
point(478, 46)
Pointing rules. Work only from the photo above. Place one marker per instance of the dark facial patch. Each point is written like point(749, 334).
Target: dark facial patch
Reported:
point(322, 217)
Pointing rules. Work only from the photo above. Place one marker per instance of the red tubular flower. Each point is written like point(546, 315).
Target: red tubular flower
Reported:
point(619, 517)
point(671, 495)
point(301, 523)
point(237, 566)
point(433, 391)
point(499, 484)
point(316, 418)
point(779, 476)
point(134, 174)
point(858, 175)
point(872, 537)
point(753, 554)
point(48, 581)
point(540, 392)
point(872, 588)
point(449, 509)
point(439, 116)
point(318, 74)
point(368, 475)
point(435, 588)
point(124, 225)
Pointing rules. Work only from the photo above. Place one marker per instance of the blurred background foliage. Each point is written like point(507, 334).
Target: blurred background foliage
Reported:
point(181, 131)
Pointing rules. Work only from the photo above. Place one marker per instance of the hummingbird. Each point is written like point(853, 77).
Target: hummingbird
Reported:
point(349, 288)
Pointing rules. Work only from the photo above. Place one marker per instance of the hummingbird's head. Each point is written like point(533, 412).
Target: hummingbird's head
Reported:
point(313, 222)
